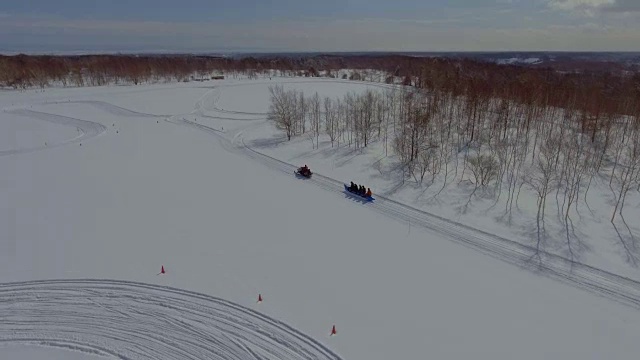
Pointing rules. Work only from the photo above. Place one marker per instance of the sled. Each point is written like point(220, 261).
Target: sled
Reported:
point(364, 197)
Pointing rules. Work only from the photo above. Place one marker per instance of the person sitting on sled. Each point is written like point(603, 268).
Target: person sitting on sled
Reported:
point(368, 194)
point(362, 190)
point(355, 187)
point(352, 187)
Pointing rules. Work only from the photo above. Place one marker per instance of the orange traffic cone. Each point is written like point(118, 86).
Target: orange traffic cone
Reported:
point(333, 331)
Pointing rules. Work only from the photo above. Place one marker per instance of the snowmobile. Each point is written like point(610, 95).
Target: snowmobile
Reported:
point(365, 196)
point(304, 172)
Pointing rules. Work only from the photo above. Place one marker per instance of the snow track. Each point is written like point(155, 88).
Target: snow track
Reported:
point(262, 116)
point(110, 108)
point(129, 320)
point(87, 129)
point(618, 288)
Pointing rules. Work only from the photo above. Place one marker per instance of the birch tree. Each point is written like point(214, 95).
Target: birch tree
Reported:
point(282, 110)
point(315, 117)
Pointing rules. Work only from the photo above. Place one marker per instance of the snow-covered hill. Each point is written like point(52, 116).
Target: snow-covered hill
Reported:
point(192, 178)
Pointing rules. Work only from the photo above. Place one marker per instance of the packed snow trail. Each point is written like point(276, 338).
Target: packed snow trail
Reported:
point(87, 129)
point(598, 281)
point(108, 108)
point(129, 320)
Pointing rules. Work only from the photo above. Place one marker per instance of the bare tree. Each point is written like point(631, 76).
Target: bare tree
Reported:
point(302, 110)
point(542, 180)
point(626, 176)
point(282, 110)
point(367, 123)
point(426, 162)
point(315, 117)
point(573, 173)
point(484, 169)
point(331, 120)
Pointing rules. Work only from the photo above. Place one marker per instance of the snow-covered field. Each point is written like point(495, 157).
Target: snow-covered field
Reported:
point(192, 178)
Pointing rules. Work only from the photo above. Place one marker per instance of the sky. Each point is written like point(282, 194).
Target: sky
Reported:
point(46, 26)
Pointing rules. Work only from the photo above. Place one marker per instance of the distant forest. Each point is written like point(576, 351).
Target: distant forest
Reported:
point(607, 90)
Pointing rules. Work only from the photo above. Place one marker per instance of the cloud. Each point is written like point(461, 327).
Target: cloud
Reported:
point(623, 6)
point(592, 6)
point(259, 29)
point(578, 4)
point(315, 34)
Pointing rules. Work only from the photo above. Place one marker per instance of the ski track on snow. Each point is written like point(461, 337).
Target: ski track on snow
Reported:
point(109, 108)
point(87, 129)
point(129, 320)
point(262, 116)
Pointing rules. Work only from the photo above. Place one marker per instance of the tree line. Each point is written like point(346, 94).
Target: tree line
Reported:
point(504, 140)
point(354, 120)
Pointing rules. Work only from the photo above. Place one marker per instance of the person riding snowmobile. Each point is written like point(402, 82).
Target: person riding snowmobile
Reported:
point(305, 170)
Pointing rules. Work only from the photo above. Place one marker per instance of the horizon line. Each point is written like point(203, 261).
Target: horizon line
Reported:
point(290, 52)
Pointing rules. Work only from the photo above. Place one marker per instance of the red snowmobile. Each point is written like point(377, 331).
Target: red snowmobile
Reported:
point(304, 172)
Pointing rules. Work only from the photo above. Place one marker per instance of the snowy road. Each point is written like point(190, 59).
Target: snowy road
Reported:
point(130, 320)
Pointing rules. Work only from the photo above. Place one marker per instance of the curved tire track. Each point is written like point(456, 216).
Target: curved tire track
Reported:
point(110, 108)
point(130, 320)
point(262, 116)
point(594, 280)
point(88, 129)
